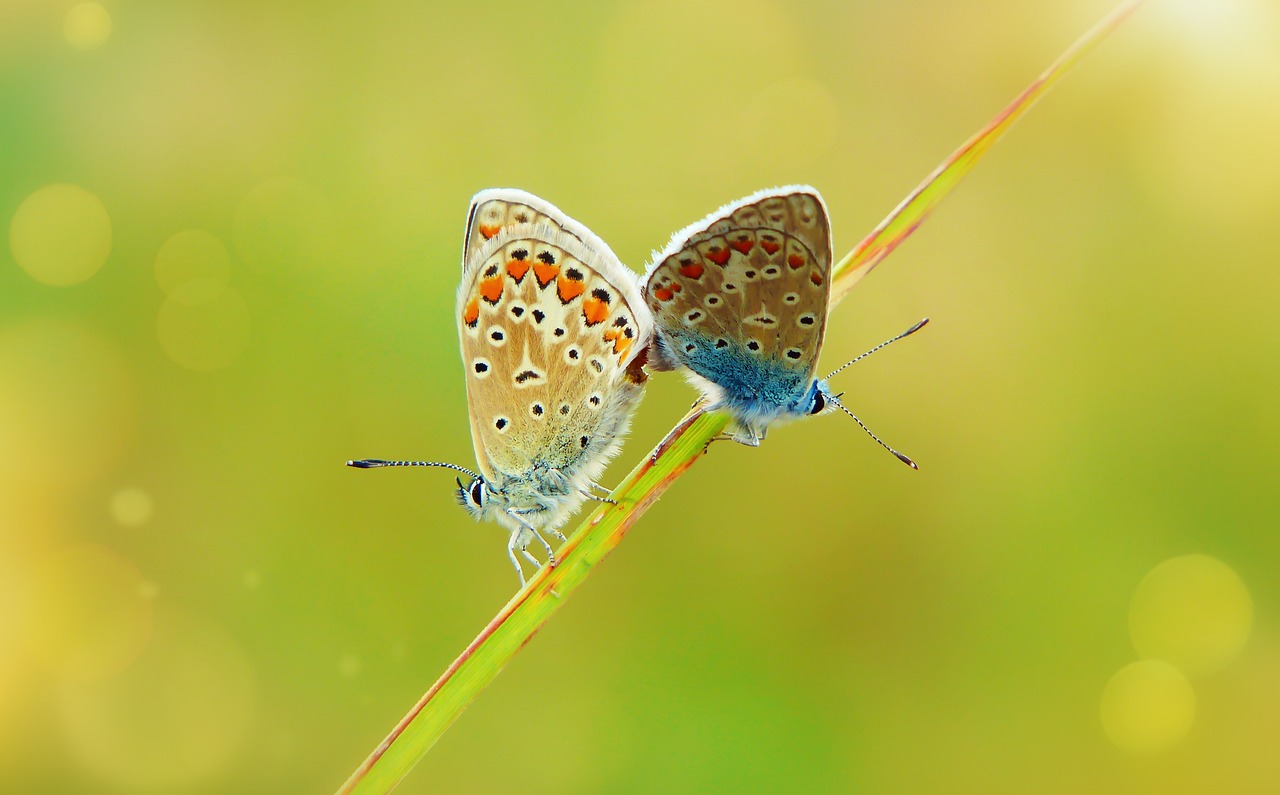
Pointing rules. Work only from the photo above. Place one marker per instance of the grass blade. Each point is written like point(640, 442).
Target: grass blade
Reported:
point(605, 528)
point(908, 215)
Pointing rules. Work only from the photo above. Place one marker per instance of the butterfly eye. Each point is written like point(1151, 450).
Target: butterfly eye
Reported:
point(477, 492)
point(819, 403)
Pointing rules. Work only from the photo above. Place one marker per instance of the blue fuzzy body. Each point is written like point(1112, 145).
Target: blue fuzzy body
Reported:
point(757, 391)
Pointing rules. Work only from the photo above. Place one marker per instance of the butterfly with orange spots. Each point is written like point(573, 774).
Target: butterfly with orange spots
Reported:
point(740, 302)
point(554, 332)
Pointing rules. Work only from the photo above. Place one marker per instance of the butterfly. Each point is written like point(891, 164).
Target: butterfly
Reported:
point(740, 300)
point(554, 334)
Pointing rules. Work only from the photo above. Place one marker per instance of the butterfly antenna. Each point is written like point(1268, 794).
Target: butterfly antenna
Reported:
point(856, 359)
point(373, 463)
point(836, 400)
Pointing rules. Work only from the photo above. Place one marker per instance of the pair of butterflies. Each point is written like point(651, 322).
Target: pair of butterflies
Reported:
point(556, 333)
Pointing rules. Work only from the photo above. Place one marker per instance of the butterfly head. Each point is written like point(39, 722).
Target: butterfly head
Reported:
point(478, 497)
point(819, 400)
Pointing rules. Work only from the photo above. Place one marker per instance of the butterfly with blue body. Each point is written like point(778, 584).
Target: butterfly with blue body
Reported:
point(554, 332)
point(740, 300)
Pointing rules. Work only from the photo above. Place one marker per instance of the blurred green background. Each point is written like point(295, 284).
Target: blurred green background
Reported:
point(232, 234)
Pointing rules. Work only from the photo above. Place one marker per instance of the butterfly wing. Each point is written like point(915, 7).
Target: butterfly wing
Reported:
point(495, 209)
point(740, 298)
point(551, 324)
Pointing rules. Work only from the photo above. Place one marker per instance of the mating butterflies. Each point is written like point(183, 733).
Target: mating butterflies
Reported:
point(740, 299)
point(554, 332)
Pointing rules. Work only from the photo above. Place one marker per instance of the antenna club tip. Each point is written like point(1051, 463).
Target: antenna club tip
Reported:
point(364, 464)
point(907, 461)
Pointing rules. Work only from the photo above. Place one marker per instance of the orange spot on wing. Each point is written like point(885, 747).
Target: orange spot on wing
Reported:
point(663, 294)
point(795, 261)
point(620, 341)
point(517, 268)
point(595, 311)
point(489, 230)
point(676, 287)
point(770, 245)
point(693, 270)
point(544, 273)
point(491, 289)
point(568, 289)
point(472, 313)
point(719, 255)
point(816, 278)
point(743, 244)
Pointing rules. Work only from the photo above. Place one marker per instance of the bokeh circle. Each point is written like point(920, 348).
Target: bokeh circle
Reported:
point(61, 235)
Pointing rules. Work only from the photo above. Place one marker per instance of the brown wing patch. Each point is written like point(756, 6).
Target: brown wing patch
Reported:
point(750, 275)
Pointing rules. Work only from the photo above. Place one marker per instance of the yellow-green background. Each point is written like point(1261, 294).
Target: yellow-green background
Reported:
point(197, 597)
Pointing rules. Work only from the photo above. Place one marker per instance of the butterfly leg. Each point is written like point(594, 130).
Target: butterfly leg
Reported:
point(529, 557)
point(511, 553)
point(596, 486)
point(520, 541)
point(526, 527)
point(749, 437)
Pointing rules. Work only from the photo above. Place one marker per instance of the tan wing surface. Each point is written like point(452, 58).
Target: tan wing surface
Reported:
point(754, 273)
point(549, 326)
point(496, 209)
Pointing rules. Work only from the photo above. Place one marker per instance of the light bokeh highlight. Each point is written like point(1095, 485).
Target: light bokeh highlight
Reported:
point(1148, 707)
point(87, 26)
point(131, 507)
point(1192, 611)
point(61, 235)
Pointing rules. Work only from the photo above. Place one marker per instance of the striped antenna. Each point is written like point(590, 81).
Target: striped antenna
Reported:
point(836, 400)
point(373, 463)
point(857, 359)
